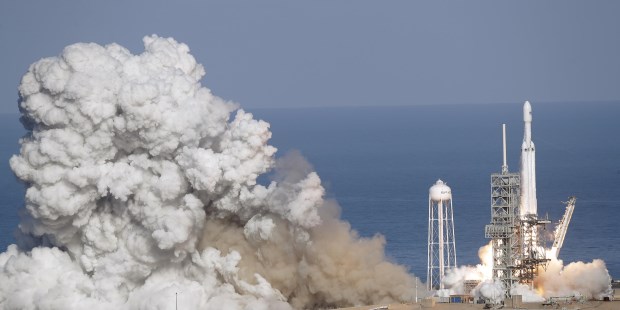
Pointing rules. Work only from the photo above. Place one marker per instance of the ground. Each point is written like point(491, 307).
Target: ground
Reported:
point(598, 305)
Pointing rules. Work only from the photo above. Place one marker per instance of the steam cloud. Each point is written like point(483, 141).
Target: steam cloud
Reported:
point(577, 279)
point(590, 280)
point(139, 186)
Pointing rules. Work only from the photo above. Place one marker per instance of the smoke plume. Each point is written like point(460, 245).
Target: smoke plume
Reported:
point(455, 278)
point(578, 279)
point(141, 184)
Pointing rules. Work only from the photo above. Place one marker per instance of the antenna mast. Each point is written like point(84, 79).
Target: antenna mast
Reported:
point(505, 165)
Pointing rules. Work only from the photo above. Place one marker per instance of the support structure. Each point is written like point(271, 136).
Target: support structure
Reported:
point(515, 229)
point(441, 243)
point(504, 227)
point(533, 254)
point(562, 228)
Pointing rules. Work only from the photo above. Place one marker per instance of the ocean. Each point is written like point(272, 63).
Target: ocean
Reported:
point(379, 162)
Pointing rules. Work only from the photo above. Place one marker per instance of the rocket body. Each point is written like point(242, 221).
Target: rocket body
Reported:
point(528, 166)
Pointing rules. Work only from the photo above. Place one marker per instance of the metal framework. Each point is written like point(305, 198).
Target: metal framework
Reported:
point(518, 249)
point(441, 243)
point(504, 227)
point(562, 228)
point(517, 253)
point(533, 254)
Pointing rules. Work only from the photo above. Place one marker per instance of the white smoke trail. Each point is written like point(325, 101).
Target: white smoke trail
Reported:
point(139, 187)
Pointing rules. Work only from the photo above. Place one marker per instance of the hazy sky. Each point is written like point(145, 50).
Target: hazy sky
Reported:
point(349, 53)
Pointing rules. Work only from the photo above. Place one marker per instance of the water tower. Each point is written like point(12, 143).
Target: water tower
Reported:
point(441, 243)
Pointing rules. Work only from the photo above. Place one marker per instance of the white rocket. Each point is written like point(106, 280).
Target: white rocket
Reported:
point(528, 166)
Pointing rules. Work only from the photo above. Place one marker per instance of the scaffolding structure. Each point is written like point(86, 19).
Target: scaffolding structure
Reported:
point(533, 254)
point(504, 229)
point(517, 250)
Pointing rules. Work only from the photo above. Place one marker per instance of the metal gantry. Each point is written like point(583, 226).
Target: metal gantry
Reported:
point(504, 227)
point(562, 228)
point(504, 230)
point(533, 255)
point(517, 251)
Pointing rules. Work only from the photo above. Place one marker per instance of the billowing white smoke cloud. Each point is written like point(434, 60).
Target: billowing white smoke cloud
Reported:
point(579, 279)
point(588, 280)
point(482, 273)
point(139, 186)
point(455, 278)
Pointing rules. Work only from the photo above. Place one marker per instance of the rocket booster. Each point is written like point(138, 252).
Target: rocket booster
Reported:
point(528, 166)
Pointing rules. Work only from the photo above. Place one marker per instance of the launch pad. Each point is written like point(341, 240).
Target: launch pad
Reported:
point(515, 229)
point(517, 253)
point(504, 228)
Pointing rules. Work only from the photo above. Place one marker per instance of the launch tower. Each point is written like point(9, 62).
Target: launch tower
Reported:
point(504, 227)
point(441, 243)
point(517, 250)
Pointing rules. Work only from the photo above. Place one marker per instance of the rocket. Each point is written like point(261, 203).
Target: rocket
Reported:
point(528, 166)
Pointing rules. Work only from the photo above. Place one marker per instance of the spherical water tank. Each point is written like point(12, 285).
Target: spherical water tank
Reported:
point(440, 191)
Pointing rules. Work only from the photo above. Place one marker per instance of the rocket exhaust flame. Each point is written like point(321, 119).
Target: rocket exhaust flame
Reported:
point(139, 187)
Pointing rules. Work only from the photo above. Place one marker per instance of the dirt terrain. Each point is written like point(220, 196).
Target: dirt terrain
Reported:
point(598, 305)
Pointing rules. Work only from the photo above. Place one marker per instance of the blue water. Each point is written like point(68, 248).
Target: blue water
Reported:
point(378, 163)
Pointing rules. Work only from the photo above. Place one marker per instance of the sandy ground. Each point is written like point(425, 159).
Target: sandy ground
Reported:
point(598, 305)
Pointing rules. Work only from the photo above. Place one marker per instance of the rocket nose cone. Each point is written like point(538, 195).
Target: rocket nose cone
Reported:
point(527, 112)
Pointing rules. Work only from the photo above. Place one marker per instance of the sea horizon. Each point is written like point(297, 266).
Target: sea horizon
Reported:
point(378, 163)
